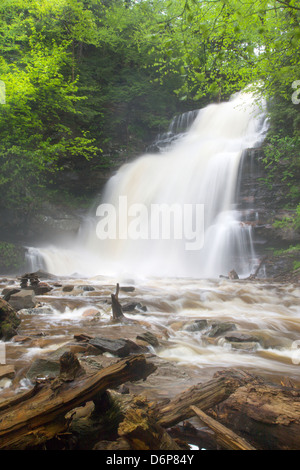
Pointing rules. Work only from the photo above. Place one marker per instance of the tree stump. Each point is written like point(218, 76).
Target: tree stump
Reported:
point(117, 312)
point(142, 431)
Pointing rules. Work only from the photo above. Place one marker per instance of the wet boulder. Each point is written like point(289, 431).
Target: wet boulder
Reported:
point(197, 325)
point(68, 288)
point(42, 288)
point(241, 337)
point(217, 328)
point(8, 292)
point(23, 299)
point(149, 338)
point(91, 312)
point(233, 274)
point(245, 346)
point(117, 347)
point(131, 306)
point(210, 328)
point(87, 288)
point(41, 368)
point(127, 288)
point(276, 340)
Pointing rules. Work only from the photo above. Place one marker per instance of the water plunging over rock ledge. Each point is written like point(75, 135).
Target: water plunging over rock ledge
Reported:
point(200, 169)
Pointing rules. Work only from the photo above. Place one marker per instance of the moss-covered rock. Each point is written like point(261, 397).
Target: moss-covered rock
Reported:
point(9, 321)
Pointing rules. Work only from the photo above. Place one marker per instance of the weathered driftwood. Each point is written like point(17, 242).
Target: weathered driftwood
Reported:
point(39, 415)
point(254, 275)
point(142, 431)
point(117, 312)
point(226, 438)
point(268, 415)
point(233, 274)
point(204, 395)
point(265, 414)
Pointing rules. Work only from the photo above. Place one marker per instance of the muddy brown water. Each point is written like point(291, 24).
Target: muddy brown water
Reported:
point(266, 312)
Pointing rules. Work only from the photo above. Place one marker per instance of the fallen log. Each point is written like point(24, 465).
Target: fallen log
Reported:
point(204, 395)
point(226, 438)
point(268, 415)
point(40, 415)
point(253, 276)
point(265, 414)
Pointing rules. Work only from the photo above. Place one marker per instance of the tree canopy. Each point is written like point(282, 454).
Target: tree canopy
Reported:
point(97, 79)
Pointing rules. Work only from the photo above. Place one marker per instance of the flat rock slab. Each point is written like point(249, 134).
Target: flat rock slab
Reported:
point(7, 371)
point(117, 347)
point(240, 337)
point(23, 299)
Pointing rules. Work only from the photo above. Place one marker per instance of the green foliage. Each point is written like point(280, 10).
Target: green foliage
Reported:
point(282, 161)
point(37, 131)
point(296, 265)
point(79, 78)
point(11, 257)
point(297, 217)
point(292, 249)
point(292, 252)
point(95, 80)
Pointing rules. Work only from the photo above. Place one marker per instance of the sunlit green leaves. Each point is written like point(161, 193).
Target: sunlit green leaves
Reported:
point(115, 68)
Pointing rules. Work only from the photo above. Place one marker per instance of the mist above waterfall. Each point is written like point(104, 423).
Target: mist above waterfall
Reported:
point(198, 168)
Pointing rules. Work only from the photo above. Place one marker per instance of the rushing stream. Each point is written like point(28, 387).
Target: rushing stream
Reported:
point(259, 327)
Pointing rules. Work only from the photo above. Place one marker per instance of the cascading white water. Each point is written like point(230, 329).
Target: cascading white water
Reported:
point(200, 168)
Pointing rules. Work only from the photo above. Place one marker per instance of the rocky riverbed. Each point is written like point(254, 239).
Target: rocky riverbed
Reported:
point(188, 328)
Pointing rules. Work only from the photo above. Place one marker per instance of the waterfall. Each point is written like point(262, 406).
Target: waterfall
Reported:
point(197, 174)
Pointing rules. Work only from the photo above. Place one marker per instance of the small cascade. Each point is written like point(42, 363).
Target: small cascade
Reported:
point(180, 124)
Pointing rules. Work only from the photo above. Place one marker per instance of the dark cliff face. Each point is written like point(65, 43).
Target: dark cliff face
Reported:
point(263, 207)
